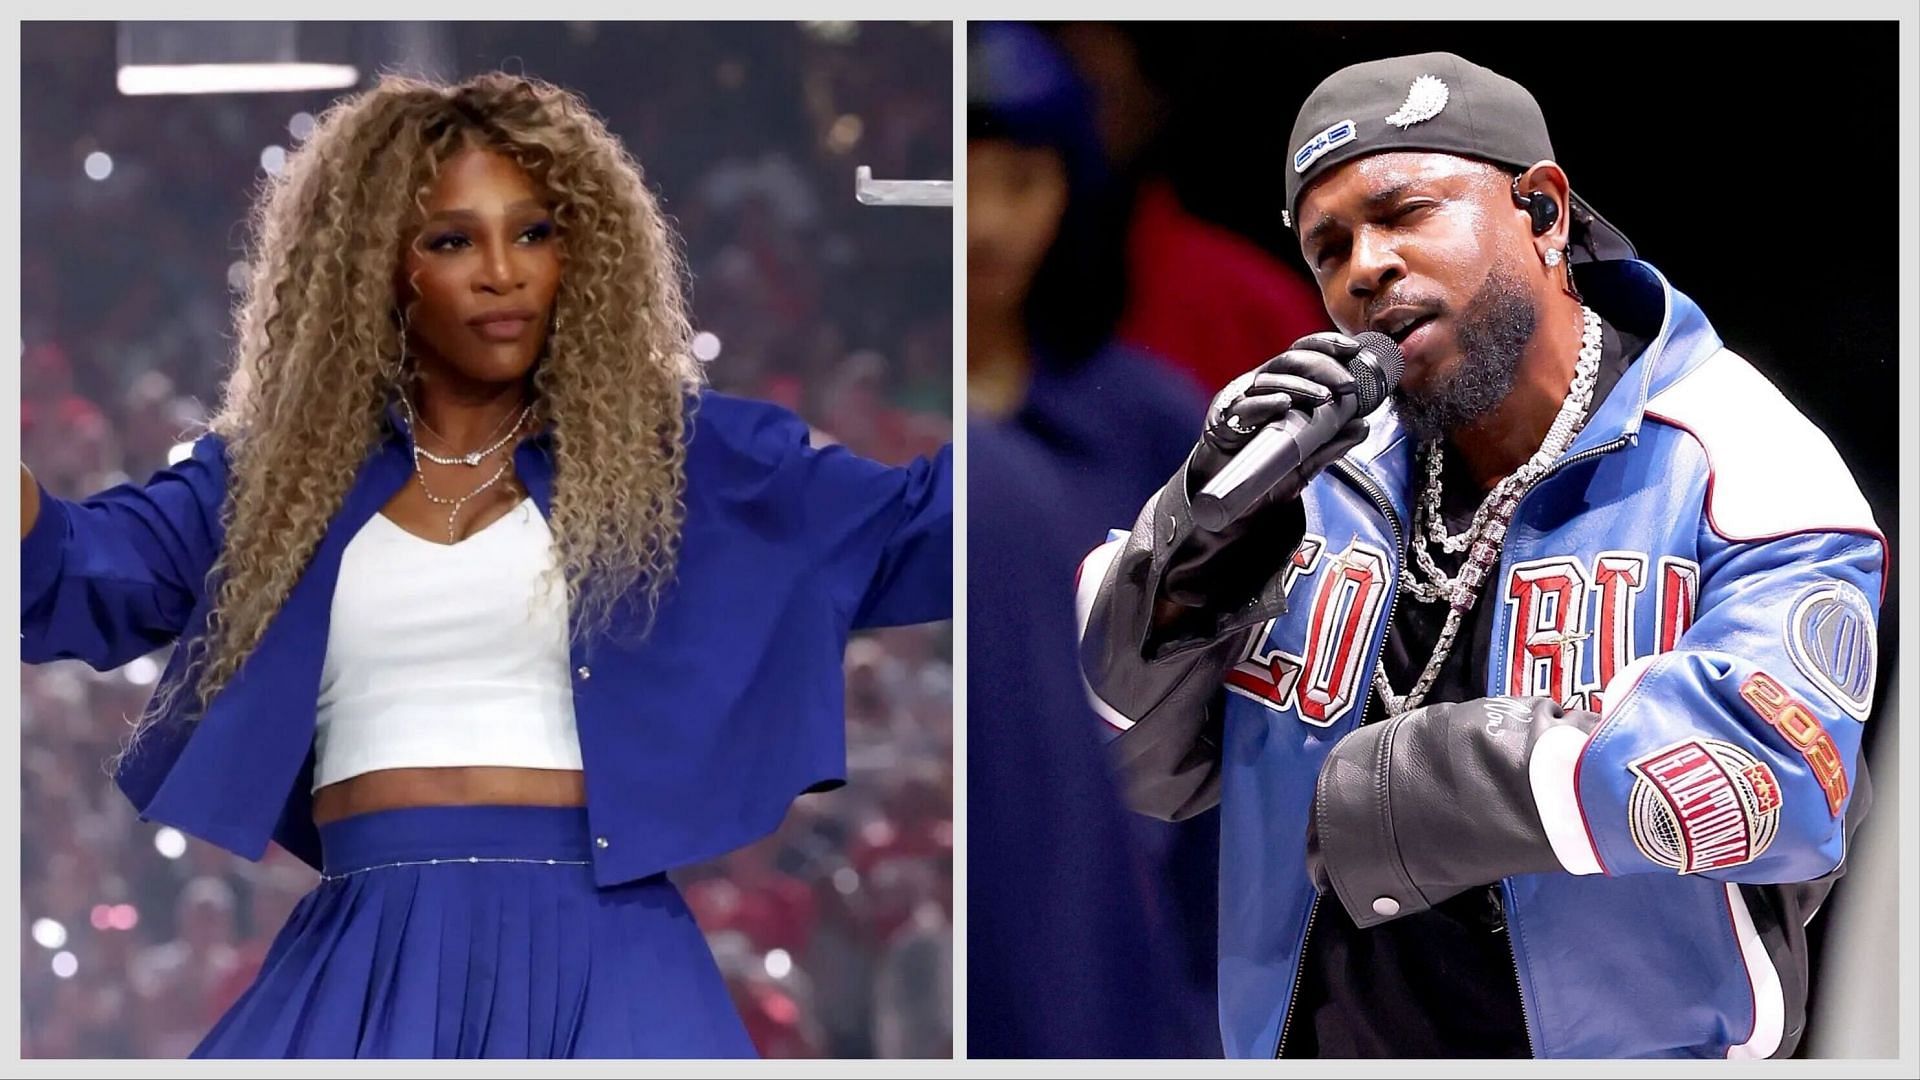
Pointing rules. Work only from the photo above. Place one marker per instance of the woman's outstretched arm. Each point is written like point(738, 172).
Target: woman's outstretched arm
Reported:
point(118, 574)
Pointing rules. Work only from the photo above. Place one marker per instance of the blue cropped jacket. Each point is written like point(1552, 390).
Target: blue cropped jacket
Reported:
point(695, 736)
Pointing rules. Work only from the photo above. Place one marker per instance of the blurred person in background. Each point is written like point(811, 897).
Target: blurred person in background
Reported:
point(464, 465)
point(1077, 912)
point(913, 984)
point(59, 426)
point(178, 980)
point(1199, 295)
point(1045, 282)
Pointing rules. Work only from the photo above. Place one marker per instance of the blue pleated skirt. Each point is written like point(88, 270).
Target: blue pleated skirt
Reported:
point(477, 931)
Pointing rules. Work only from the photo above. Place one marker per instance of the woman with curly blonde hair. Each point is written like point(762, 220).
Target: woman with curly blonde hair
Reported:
point(484, 606)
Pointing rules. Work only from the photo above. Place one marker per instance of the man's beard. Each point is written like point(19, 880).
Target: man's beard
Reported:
point(1494, 329)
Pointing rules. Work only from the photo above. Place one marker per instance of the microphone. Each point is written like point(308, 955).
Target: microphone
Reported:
point(1277, 449)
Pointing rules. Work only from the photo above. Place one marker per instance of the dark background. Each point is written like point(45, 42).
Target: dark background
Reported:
point(1753, 164)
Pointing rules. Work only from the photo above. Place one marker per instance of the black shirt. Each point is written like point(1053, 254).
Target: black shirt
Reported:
point(1440, 983)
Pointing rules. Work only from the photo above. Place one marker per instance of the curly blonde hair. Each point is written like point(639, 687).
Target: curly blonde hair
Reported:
point(320, 353)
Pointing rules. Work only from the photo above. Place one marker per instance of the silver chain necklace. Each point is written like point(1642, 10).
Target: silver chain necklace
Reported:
point(453, 514)
point(474, 457)
point(455, 505)
point(1488, 530)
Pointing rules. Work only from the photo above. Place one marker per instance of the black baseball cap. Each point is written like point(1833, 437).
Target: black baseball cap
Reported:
point(1432, 101)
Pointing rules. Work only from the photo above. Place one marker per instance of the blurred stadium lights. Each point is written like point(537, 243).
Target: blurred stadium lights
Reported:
point(49, 933)
point(779, 963)
point(232, 57)
point(138, 79)
point(114, 916)
point(170, 842)
point(266, 57)
point(141, 671)
point(844, 133)
point(833, 31)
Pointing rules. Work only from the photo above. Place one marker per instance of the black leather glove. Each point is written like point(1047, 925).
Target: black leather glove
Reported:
point(1411, 811)
point(1208, 566)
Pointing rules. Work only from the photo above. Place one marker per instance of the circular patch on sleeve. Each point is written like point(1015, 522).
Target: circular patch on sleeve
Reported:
point(1703, 804)
point(1831, 637)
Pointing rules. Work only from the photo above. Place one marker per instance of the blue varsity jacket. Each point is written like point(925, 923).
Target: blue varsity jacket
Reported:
point(695, 738)
point(1699, 569)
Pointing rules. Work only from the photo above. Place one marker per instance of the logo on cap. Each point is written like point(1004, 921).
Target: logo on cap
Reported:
point(1312, 149)
point(1425, 98)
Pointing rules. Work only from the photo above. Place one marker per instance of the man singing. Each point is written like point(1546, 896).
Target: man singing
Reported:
point(1532, 703)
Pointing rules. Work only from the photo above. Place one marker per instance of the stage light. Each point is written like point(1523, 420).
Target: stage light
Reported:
point(141, 671)
point(170, 842)
point(836, 32)
point(209, 57)
point(49, 933)
point(139, 80)
point(779, 964)
point(844, 133)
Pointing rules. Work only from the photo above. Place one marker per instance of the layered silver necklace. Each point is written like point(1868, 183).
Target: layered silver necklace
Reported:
point(472, 458)
point(1483, 537)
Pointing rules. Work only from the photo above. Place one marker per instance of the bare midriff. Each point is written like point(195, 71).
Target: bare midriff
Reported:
point(393, 789)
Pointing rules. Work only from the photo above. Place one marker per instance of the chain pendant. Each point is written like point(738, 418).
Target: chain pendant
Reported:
point(453, 514)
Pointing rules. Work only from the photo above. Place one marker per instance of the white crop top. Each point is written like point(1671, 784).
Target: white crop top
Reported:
point(446, 655)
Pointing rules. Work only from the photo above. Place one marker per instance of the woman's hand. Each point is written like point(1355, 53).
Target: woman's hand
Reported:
point(29, 502)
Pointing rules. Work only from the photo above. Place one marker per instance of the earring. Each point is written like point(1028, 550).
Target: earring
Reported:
point(403, 337)
point(1552, 257)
